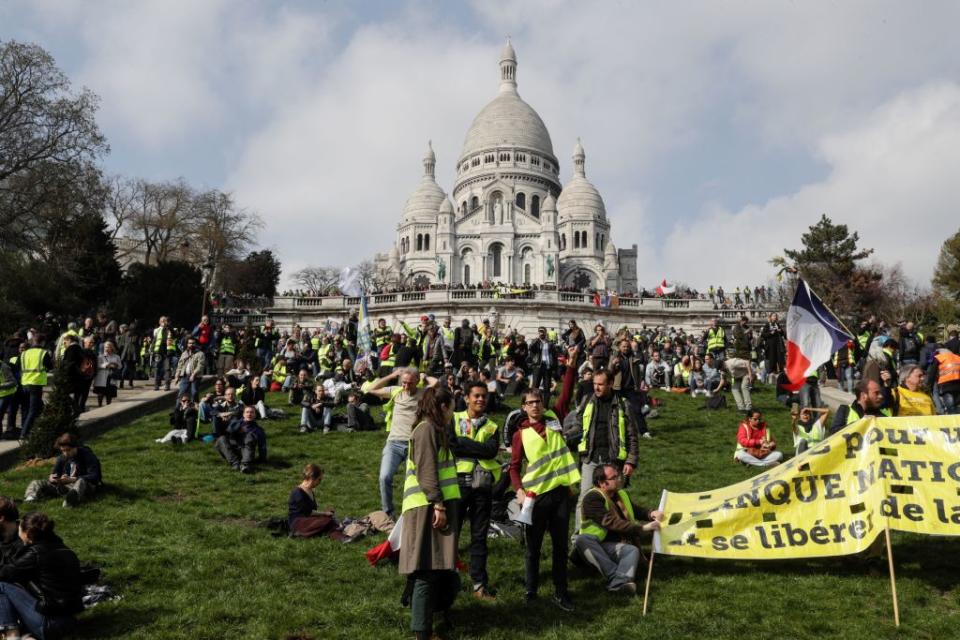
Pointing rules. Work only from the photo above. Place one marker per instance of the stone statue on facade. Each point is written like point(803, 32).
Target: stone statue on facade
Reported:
point(441, 269)
point(549, 266)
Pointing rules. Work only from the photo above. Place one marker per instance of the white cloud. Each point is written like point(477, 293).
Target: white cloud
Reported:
point(893, 179)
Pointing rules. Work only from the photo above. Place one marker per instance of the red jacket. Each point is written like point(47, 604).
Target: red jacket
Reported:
point(748, 436)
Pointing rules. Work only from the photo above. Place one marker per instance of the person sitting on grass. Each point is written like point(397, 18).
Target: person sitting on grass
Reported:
point(243, 443)
point(183, 420)
point(298, 387)
point(611, 527)
point(317, 410)
point(809, 427)
point(252, 395)
point(76, 474)
point(219, 411)
point(358, 413)
point(304, 520)
point(52, 570)
point(755, 445)
point(238, 375)
point(698, 381)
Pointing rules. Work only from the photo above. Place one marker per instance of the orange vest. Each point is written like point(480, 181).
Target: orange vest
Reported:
point(948, 366)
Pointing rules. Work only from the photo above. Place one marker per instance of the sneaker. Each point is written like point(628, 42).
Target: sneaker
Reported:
point(484, 594)
point(304, 429)
point(326, 430)
point(563, 601)
point(245, 468)
point(629, 588)
point(72, 499)
point(648, 435)
point(30, 499)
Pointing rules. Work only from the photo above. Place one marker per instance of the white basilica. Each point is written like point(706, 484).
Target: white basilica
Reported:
point(509, 220)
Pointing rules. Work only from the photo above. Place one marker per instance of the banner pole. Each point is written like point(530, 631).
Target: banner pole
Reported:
point(646, 589)
point(653, 551)
point(893, 579)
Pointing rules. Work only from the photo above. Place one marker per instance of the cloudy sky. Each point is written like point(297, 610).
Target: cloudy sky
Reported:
point(716, 132)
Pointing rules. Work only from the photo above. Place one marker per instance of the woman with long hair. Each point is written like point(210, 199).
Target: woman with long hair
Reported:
point(428, 539)
point(303, 518)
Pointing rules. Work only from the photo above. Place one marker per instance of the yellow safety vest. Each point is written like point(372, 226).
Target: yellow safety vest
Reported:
point(591, 528)
point(4, 380)
point(817, 433)
point(549, 462)
point(315, 342)
point(391, 359)
point(853, 416)
point(914, 403)
point(280, 372)
point(464, 427)
point(621, 429)
point(227, 346)
point(413, 495)
point(32, 371)
point(716, 339)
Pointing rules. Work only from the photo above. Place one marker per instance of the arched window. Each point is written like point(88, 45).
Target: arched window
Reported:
point(597, 240)
point(522, 201)
point(563, 241)
point(583, 239)
point(474, 203)
point(496, 255)
point(535, 206)
point(463, 208)
point(419, 242)
point(576, 239)
point(526, 274)
point(426, 242)
point(466, 275)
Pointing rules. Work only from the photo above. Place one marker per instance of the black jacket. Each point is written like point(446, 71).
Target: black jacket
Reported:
point(84, 465)
point(51, 572)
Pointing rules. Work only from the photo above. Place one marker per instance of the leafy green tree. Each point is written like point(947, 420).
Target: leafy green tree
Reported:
point(830, 262)
point(946, 275)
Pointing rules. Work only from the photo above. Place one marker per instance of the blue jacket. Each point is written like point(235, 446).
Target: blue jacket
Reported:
point(238, 430)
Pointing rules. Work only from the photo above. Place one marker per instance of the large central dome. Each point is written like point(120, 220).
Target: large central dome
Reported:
point(507, 121)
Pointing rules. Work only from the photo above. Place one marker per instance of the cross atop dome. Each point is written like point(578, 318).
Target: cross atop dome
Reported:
point(508, 68)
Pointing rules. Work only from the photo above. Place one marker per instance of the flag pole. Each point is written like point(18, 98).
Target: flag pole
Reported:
point(646, 589)
point(893, 579)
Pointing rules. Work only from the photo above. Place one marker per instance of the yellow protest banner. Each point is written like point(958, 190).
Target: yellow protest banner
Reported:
point(834, 499)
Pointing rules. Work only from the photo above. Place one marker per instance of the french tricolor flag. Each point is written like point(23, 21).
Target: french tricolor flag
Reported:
point(813, 335)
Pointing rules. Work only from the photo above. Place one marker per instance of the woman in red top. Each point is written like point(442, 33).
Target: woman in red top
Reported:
point(755, 446)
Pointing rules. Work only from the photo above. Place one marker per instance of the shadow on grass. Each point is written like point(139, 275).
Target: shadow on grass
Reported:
point(105, 621)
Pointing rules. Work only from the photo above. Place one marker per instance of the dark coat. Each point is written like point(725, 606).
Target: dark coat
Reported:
point(83, 465)
point(51, 572)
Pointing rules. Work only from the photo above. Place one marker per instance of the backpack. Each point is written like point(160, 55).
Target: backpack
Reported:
point(88, 367)
point(511, 424)
point(715, 402)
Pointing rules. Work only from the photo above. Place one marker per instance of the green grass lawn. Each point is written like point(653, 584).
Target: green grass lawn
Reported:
point(176, 534)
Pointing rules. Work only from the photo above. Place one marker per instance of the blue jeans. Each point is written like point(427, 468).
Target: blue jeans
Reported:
point(35, 407)
point(846, 379)
point(18, 608)
point(186, 385)
point(308, 418)
point(393, 455)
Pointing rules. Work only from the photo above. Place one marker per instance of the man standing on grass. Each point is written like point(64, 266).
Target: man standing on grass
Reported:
point(609, 434)
point(475, 445)
point(400, 413)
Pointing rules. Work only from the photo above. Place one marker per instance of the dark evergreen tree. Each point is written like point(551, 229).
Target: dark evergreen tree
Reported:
point(258, 274)
point(57, 418)
point(946, 276)
point(172, 289)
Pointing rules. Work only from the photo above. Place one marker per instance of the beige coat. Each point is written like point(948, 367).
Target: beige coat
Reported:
point(423, 548)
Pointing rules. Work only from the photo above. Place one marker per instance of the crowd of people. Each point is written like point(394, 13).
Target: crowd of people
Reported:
point(573, 443)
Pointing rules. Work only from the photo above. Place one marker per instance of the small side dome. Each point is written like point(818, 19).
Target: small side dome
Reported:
point(447, 206)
